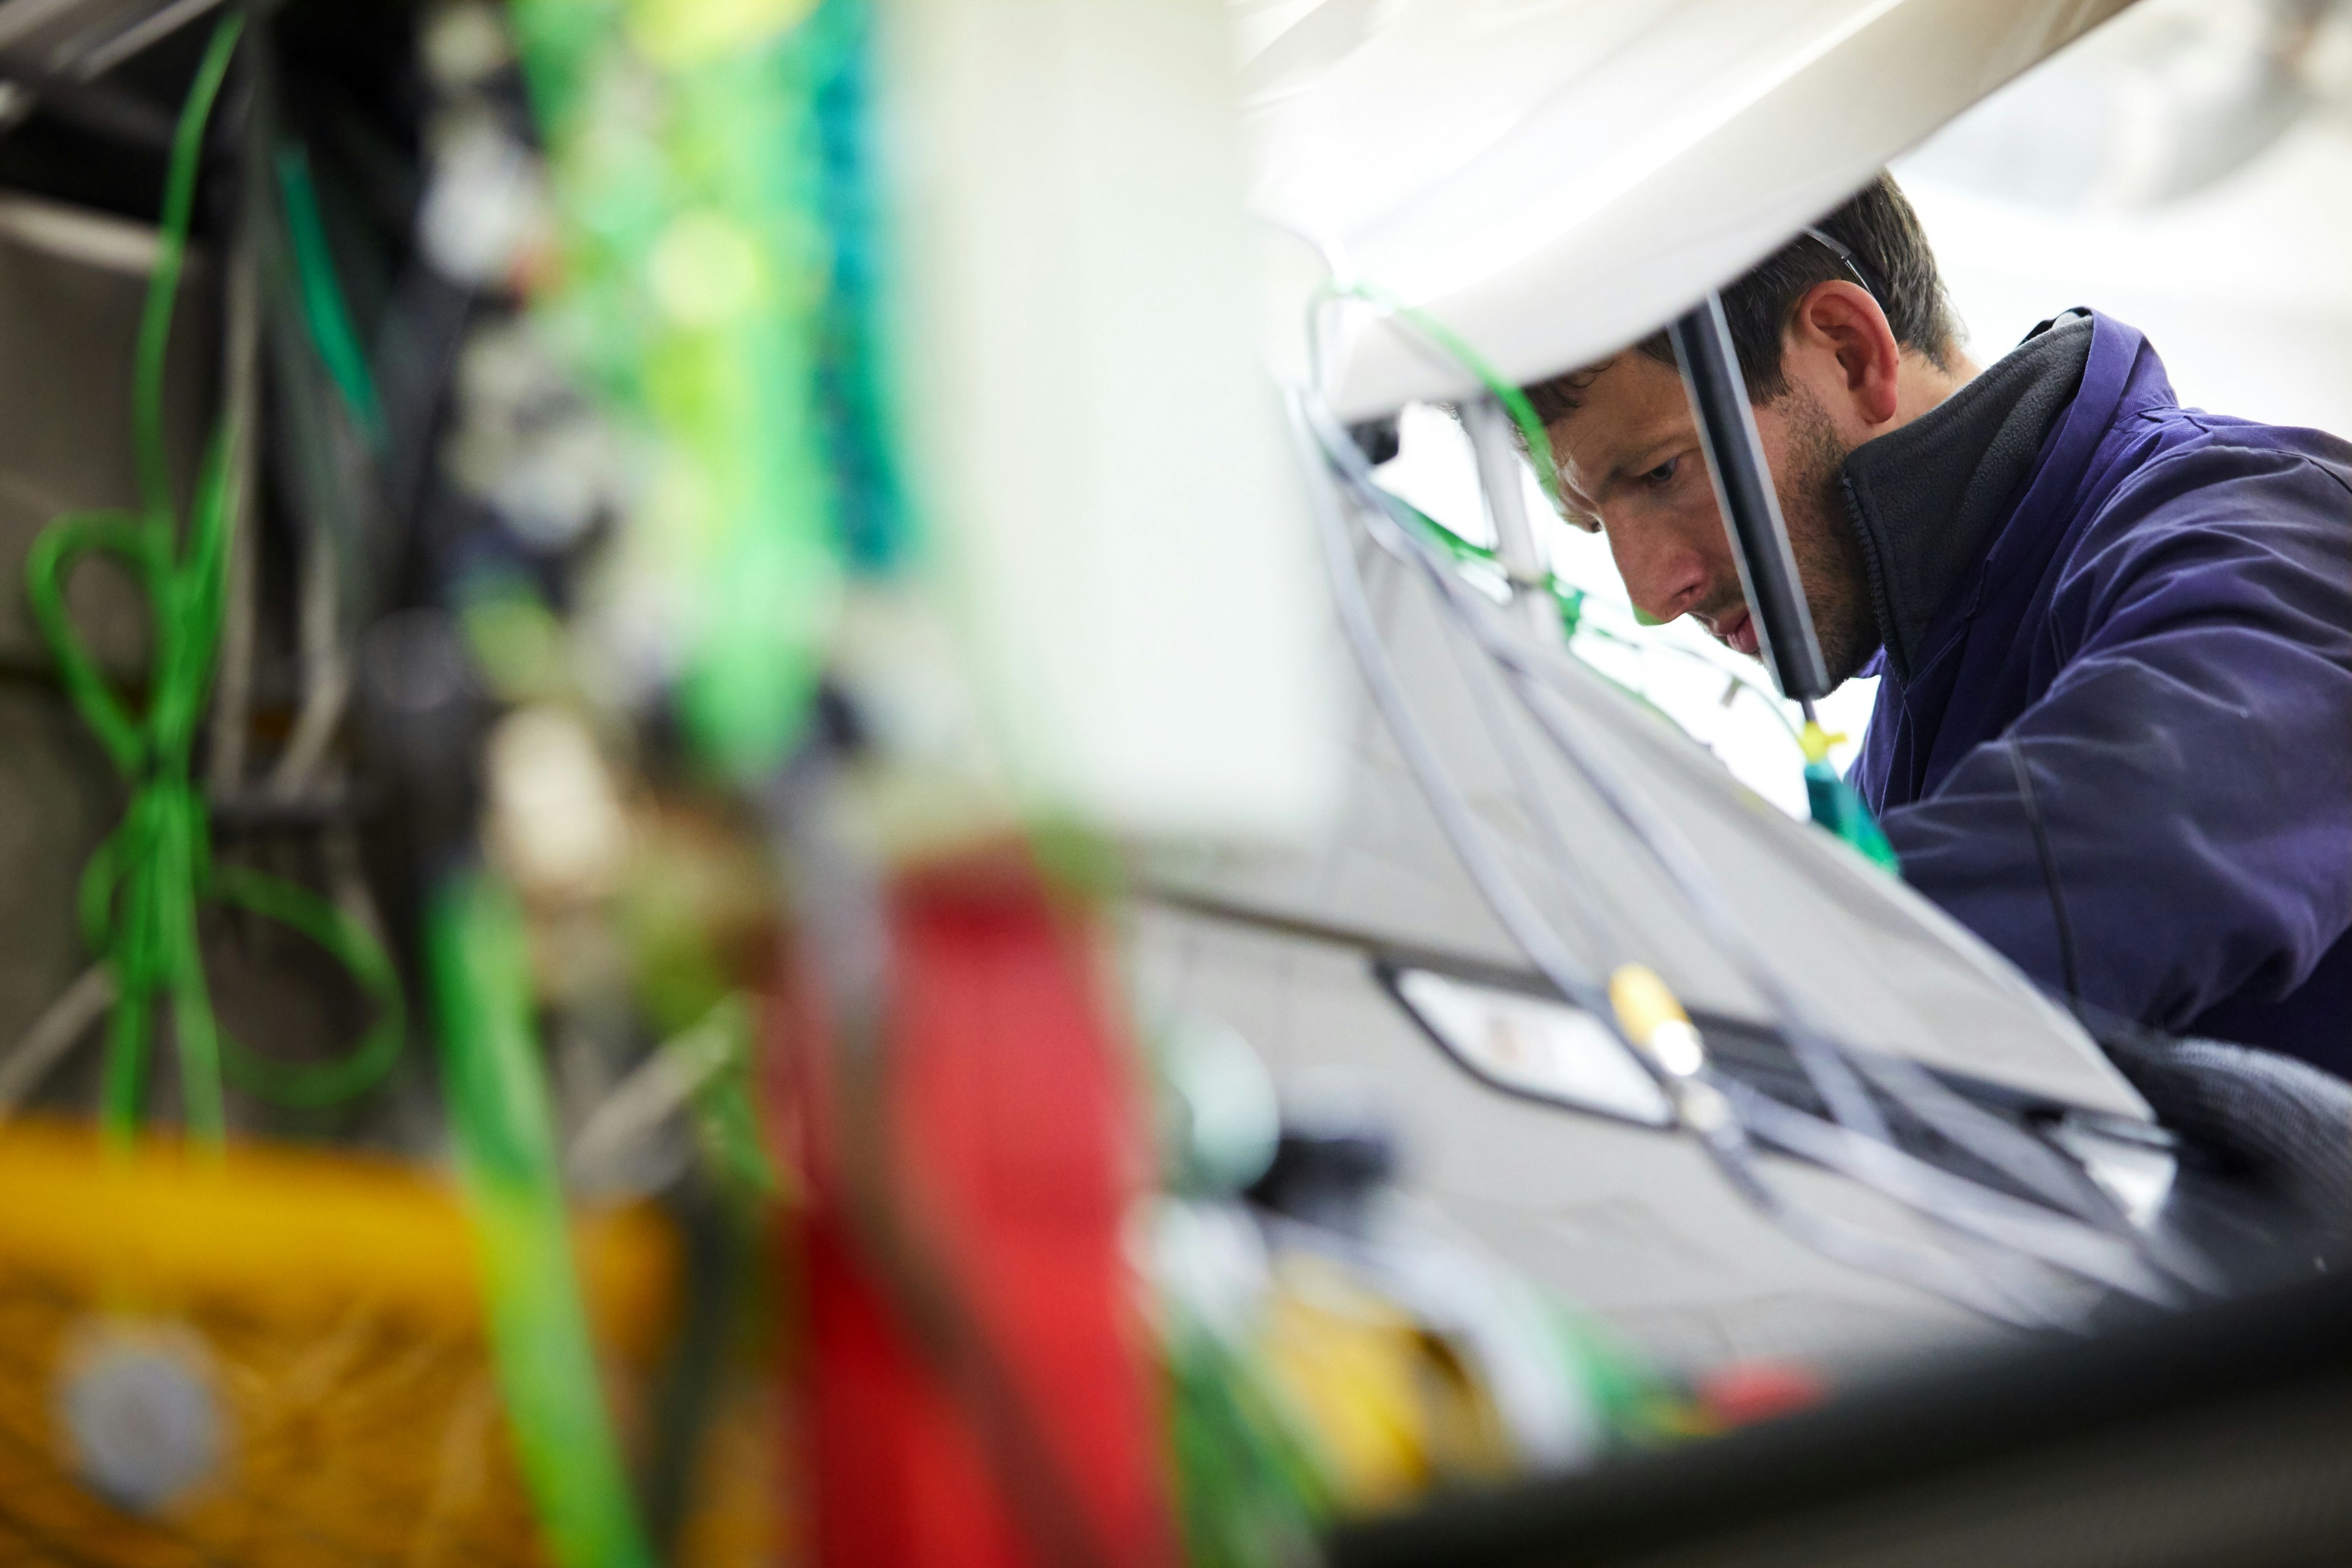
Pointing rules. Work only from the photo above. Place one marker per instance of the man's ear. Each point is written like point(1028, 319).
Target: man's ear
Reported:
point(1840, 323)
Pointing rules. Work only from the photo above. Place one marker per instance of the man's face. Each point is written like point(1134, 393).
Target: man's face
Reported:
point(1631, 457)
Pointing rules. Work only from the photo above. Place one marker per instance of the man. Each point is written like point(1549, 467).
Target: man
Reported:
point(2114, 731)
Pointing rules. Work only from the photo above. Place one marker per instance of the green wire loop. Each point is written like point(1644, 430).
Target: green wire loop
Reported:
point(310, 1085)
point(1513, 401)
point(141, 891)
point(52, 558)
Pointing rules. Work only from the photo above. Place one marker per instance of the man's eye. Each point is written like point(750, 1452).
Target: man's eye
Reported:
point(1662, 474)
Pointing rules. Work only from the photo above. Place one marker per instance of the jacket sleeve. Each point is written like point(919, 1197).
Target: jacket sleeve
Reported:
point(2192, 761)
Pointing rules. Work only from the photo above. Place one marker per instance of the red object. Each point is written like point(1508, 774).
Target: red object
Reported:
point(1015, 1150)
point(1747, 1391)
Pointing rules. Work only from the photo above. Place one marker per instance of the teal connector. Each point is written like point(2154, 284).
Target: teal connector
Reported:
point(1837, 808)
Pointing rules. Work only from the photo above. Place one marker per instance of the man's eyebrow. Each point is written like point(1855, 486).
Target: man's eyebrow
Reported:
point(1612, 481)
point(1645, 458)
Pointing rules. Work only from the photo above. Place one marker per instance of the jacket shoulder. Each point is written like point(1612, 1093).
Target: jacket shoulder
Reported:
point(2207, 469)
point(2195, 439)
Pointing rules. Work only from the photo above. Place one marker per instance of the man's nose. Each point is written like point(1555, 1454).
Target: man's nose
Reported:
point(1665, 577)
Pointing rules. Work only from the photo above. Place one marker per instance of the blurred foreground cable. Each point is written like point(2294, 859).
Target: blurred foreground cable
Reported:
point(975, 1398)
point(538, 1328)
point(684, 155)
point(682, 159)
point(140, 896)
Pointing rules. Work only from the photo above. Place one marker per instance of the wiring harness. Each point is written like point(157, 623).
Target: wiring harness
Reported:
point(140, 895)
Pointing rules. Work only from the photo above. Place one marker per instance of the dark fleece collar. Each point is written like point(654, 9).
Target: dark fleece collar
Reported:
point(1928, 498)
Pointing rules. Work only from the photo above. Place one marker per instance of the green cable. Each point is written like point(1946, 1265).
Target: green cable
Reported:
point(1248, 1490)
point(477, 954)
point(324, 311)
point(171, 255)
point(693, 259)
point(141, 891)
point(726, 1119)
point(1568, 599)
point(313, 1084)
point(1513, 401)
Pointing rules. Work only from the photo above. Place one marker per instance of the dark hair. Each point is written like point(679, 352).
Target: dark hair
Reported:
point(1890, 251)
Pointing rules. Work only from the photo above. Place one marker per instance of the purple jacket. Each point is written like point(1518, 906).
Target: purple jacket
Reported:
point(2156, 617)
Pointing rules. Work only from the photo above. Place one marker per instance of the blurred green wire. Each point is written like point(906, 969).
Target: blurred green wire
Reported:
point(140, 894)
point(694, 257)
point(546, 1361)
point(324, 312)
point(1248, 1493)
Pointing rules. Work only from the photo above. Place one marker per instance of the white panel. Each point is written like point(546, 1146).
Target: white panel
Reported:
point(1095, 439)
point(1556, 178)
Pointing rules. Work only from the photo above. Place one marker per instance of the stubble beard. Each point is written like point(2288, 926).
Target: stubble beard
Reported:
point(1822, 537)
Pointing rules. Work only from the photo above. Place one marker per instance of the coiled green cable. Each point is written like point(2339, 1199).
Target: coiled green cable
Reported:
point(142, 889)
